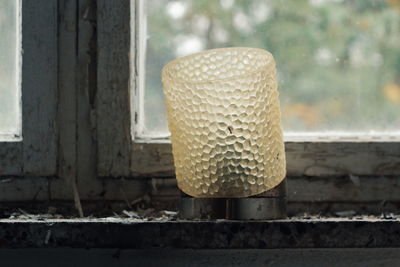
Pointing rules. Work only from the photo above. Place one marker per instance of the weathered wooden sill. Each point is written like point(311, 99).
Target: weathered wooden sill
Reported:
point(364, 232)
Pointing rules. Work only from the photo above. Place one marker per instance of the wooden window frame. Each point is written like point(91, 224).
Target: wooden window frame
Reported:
point(34, 154)
point(57, 158)
point(153, 158)
point(77, 108)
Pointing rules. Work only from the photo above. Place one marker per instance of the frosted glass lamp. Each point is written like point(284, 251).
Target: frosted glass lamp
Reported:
point(224, 118)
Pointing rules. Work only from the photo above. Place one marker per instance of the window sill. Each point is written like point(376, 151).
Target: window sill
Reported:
point(366, 232)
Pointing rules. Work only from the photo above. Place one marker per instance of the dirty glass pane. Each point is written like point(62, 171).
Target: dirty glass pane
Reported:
point(10, 113)
point(338, 61)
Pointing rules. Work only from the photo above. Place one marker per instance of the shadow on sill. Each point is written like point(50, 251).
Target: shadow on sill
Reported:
point(131, 233)
point(63, 257)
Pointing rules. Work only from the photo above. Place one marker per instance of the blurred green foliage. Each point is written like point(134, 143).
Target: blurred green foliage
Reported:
point(10, 116)
point(338, 60)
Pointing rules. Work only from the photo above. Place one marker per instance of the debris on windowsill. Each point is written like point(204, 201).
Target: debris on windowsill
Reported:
point(126, 215)
point(141, 211)
point(152, 215)
point(389, 216)
point(145, 215)
point(23, 215)
point(131, 214)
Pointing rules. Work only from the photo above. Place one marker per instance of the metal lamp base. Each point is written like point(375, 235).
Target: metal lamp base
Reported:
point(266, 206)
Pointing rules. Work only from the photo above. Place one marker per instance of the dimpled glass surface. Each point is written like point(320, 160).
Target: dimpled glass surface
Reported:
point(224, 118)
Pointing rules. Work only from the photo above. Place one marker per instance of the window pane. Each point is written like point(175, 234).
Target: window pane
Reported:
point(10, 113)
point(338, 61)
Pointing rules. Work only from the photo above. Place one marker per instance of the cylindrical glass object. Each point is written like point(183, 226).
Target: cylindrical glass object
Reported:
point(224, 118)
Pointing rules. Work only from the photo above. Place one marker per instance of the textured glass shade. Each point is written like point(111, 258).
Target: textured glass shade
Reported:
point(224, 118)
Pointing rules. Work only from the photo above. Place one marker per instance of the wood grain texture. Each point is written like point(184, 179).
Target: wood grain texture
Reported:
point(305, 194)
point(36, 153)
point(303, 158)
point(86, 92)
point(39, 86)
point(339, 158)
point(344, 188)
point(26, 188)
point(113, 96)
point(39, 189)
point(10, 158)
point(306, 189)
point(67, 90)
point(152, 160)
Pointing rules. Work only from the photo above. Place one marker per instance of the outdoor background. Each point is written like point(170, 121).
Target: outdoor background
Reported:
point(338, 61)
point(10, 115)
